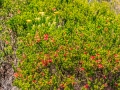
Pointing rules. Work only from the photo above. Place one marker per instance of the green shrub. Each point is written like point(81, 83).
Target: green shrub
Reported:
point(61, 45)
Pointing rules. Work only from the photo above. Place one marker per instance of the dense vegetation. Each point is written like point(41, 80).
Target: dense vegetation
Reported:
point(63, 44)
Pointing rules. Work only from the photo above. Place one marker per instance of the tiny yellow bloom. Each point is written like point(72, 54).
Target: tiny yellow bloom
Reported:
point(37, 19)
point(28, 21)
point(42, 13)
point(56, 12)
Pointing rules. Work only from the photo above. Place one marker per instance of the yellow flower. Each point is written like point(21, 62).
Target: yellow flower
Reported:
point(37, 19)
point(28, 21)
point(56, 12)
point(42, 13)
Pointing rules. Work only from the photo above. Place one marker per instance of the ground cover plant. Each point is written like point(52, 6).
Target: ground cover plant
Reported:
point(66, 45)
